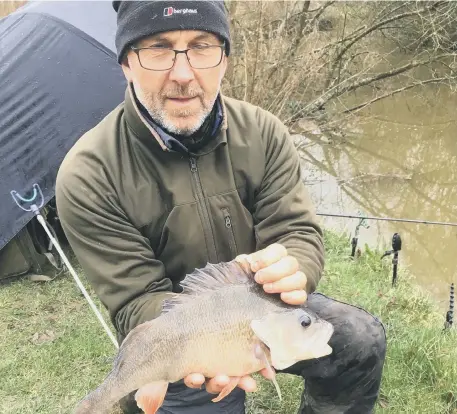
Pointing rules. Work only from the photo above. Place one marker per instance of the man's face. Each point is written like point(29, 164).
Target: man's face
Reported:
point(180, 98)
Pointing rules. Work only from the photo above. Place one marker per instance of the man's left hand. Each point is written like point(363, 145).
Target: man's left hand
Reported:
point(277, 272)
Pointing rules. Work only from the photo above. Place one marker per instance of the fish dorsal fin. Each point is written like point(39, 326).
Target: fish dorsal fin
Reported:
point(209, 278)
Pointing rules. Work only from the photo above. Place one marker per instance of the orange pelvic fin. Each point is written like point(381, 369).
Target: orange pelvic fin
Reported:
point(227, 389)
point(150, 396)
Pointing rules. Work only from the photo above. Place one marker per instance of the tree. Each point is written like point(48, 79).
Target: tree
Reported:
point(323, 61)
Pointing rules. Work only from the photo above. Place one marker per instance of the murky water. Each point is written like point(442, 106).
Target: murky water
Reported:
point(399, 161)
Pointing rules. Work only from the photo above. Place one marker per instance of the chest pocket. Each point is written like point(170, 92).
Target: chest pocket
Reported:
point(233, 225)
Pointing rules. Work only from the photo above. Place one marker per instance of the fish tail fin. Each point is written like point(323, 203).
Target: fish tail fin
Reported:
point(99, 401)
point(91, 405)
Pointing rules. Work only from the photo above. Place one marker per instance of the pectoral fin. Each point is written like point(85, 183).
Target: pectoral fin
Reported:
point(227, 389)
point(260, 354)
point(150, 396)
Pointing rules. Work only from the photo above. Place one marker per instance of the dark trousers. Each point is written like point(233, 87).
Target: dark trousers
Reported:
point(347, 381)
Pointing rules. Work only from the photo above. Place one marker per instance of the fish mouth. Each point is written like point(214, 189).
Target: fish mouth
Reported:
point(320, 346)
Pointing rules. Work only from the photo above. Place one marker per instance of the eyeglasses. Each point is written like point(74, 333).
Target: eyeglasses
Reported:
point(162, 58)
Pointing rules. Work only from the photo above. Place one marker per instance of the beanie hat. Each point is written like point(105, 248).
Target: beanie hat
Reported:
point(138, 19)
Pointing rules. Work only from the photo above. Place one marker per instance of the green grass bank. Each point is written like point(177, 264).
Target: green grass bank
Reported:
point(54, 350)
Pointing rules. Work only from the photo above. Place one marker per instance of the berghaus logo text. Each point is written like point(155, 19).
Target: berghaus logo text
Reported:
point(169, 11)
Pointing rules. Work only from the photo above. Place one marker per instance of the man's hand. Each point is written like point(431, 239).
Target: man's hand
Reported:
point(278, 273)
point(216, 384)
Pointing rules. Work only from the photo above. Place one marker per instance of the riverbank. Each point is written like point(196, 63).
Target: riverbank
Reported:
point(54, 349)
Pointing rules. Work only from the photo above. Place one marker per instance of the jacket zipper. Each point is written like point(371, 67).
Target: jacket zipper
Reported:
point(201, 205)
point(228, 225)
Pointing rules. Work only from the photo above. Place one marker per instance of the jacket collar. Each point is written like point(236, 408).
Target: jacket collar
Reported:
point(150, 133)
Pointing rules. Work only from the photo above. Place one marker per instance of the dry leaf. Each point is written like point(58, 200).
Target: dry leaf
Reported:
point(47, 336)
point(383, 403)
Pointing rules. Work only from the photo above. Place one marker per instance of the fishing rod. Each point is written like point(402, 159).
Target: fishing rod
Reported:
point(396, 247)
point(440, 223)
point(33, 207)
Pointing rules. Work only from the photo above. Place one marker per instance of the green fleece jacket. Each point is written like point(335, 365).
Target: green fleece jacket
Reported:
point(139, 216)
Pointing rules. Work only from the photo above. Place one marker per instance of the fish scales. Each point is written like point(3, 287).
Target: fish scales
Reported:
point(216, 334)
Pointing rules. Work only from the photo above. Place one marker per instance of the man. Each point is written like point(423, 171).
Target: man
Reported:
point(179, 175)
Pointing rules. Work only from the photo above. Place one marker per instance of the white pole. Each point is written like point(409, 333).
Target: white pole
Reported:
point(75, 276)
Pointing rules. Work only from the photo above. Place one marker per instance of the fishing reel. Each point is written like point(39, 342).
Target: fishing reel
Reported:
point(396, 246)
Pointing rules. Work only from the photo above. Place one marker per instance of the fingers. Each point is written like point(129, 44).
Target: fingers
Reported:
point(194, 380)
point(266, 257)
point(296, 281)
point(277, 272)
point(248, 384)
point(286, 266)
point(295, 297)
point(267, 373)
point(216, 384)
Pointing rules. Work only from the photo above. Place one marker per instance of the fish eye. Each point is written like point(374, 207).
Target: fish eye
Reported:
point(305, 321)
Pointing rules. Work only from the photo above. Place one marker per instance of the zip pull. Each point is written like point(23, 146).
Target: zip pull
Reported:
point(193, 164)
point(228, 222)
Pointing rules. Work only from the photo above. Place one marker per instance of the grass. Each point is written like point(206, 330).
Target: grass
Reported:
point(54, 350)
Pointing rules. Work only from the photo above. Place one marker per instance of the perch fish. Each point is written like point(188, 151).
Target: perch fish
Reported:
point(222, 322)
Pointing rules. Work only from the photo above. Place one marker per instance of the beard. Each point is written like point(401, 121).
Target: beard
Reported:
point(155, 105)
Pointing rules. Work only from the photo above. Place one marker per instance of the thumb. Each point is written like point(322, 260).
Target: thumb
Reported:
point(243, 260)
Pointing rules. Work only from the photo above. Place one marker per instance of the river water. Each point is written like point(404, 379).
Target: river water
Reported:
point(397, 160)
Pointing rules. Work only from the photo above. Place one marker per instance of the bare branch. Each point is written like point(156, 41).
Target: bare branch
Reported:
point(278, 68)
point(376, 26)
point(329, 78)
point(345, 66)
point(256, 57)
point(390, 12)
point(332, 93)
point(321, 10)
point(392, 93)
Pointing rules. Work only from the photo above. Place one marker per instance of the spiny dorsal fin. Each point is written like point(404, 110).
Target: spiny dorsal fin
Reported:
point(211, 277)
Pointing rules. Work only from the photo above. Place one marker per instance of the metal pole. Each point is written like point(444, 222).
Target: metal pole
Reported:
point(31, 204)
point(41, 220)
point(394, 272)
point(450, 313)
point(396, 247)
point(354, 246)
point(355, 239)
